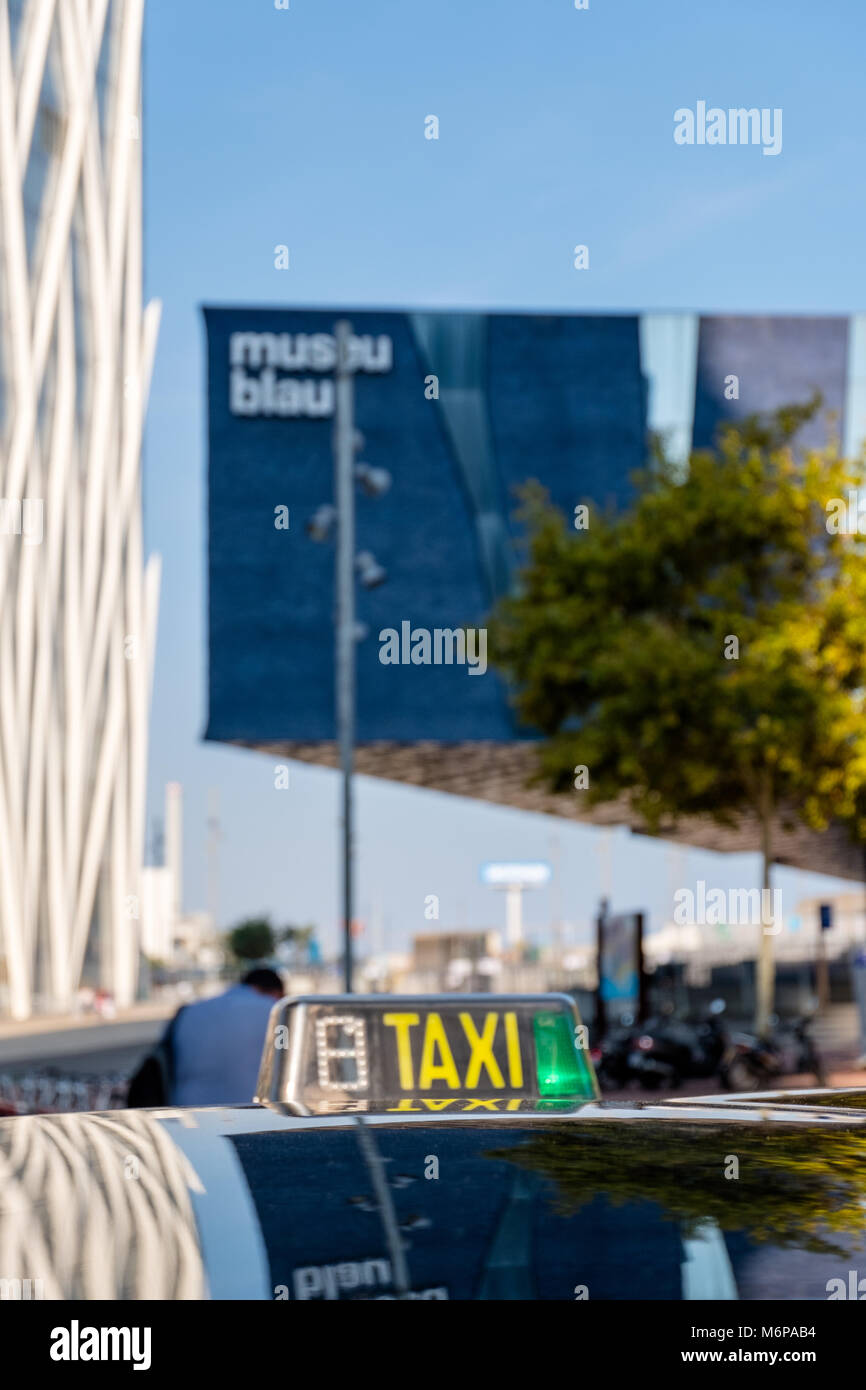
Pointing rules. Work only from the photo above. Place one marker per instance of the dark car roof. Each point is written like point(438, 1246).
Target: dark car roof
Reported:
point(816, 1098)
point(704, 1198)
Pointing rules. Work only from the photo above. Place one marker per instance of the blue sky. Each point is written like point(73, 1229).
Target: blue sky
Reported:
point(305, 127)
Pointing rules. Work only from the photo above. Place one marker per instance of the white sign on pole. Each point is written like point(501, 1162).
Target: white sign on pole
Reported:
point(515, 875)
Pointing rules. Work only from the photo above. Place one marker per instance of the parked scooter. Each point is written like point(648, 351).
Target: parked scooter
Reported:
point(756, 1064)
point(611, 1059)
point(668, 1050)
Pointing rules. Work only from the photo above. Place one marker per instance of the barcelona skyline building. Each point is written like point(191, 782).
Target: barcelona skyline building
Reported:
point(78, 606)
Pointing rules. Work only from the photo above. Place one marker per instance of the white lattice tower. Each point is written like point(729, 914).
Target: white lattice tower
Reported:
point(78, 611)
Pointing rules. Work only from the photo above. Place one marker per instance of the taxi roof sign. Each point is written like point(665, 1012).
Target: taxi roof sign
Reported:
point(457, 1053)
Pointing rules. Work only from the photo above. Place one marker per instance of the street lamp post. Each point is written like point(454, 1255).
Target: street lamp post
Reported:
point(337, 519)
point(344, 498)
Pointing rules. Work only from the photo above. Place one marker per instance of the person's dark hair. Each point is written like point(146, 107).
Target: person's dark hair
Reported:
point(268, 981)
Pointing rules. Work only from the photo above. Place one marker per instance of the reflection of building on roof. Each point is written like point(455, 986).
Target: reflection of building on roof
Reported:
point(115, 1186)
point(461, 409)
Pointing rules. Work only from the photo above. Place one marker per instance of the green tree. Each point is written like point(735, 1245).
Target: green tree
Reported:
point(703, 653)
point(252, 939)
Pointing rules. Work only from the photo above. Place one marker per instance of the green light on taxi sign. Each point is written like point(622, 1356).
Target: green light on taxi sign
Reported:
point(561, 1064)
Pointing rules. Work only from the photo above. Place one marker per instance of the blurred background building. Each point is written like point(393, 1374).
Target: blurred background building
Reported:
point(462, 409)
point(174, 941)
point(77, 609)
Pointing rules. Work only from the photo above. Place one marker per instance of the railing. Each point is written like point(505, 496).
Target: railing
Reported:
point(51, 1092)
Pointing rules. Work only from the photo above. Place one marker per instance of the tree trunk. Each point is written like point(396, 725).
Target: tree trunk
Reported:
point(765, 980)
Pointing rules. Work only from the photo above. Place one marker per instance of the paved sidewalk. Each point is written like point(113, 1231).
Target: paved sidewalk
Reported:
point(83, 1044)
point(61, 1023)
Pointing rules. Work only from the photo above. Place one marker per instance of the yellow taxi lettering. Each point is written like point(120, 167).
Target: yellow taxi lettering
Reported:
point(481, 1104)
point(437, 1104)
point(434, 1037)
point(482, 1051)
point(401, 1023)
point(513, 1104)
point(404, 1105)
point(512, 1043)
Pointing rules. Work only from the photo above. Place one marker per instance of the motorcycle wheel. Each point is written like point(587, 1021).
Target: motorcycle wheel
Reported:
point(815, 1065)
point(610, 1081)
point(742, 1075)
point(650, 1081)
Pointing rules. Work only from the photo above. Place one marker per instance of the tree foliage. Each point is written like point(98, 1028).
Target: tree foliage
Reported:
point(619, 648)
point(252, 939)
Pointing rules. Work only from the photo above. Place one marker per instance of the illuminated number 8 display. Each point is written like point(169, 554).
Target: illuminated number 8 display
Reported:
point(326, 1053)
